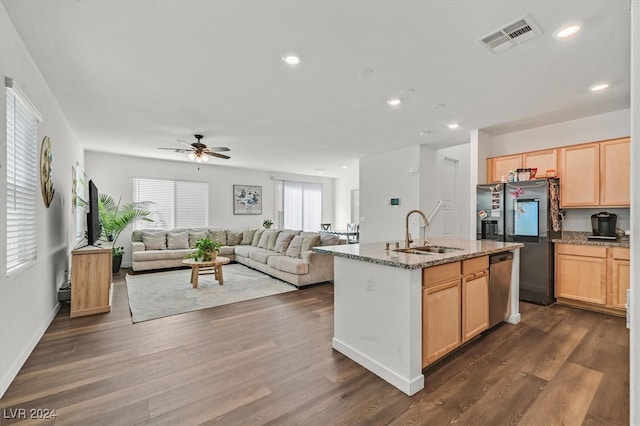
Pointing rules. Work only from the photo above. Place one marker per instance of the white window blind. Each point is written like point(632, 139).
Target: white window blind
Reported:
point(302, 205)
point(22, 185)
point(176, 204)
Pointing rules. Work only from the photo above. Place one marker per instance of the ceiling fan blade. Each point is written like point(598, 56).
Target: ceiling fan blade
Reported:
point(218, 148)
point(214, 154)
point(177, 149)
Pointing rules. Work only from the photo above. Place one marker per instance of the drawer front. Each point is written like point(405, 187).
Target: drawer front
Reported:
point(621, 253)
point(437, 274)
point(477, 264)
point(582, 250)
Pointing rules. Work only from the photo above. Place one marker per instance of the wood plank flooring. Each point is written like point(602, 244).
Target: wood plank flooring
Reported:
point(270, 361)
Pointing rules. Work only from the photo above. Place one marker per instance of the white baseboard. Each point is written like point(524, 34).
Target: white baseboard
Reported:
point(13, 371)
point(408, 386)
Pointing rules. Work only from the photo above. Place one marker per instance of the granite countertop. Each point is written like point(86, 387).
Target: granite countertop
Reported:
point(576, 237)
point(376, 252)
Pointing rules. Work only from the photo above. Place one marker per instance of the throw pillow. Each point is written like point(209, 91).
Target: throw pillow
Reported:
point(218, 236)
point(295, 246)
point(256, 237)
point(154, 240)
point(247, 237)
point(272, 239)
point(310, 241)
point(264, 238)
point(329, 240)
point(177, 240)
point(234, 238)
point(282, 242)
point(195, 236)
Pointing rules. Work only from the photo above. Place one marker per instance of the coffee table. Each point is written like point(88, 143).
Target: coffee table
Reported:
point(202, 267)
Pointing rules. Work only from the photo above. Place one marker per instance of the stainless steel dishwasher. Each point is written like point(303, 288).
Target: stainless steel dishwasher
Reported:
point(499, 286)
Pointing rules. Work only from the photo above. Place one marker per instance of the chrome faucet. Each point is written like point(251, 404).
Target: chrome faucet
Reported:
point(407, 235)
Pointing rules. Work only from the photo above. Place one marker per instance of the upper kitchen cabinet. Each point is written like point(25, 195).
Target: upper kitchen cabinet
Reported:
point(580, 171)
point(545, 160)
point(595, 174)
point(501, 166)
point(614, 173)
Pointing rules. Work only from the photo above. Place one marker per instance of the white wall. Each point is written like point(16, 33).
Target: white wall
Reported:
point(28, 299)
point(343, 187)
point(113, 175)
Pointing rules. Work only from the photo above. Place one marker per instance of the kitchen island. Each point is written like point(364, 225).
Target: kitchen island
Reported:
point(378, 302)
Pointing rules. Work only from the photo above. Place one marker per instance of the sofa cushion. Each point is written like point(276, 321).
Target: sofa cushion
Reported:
point(329, 240)
point(177, 240)
point(264, 238)
point(256, 237)
point(244, 251)
point(148, 255)
point(288, 264)
point(233, 237)
point(218, 236)
point(247, 237)
point(227, 251)
point(282, 242)
point(261, 255)
point(271, 245)
point(154, 240)
point(295, 246)
point(310, 241)
point(195, 236)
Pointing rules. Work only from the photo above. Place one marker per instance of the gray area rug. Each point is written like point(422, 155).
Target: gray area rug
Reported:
point(162, 294)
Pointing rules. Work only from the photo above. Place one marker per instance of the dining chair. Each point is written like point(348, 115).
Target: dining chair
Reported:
point(353, 233)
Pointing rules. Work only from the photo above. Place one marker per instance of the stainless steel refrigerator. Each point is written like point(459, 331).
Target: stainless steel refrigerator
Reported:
point(528, 212)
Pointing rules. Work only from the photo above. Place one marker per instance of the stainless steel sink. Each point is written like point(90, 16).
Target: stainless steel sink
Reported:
point(429, 250)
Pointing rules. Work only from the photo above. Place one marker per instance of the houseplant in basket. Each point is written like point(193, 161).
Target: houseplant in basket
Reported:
point(206, 250)
point(115, 217)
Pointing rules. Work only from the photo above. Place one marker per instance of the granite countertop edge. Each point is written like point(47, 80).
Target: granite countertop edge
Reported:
point(581, 238)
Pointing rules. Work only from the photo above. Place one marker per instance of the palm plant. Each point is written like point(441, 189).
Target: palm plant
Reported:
point(115, 217)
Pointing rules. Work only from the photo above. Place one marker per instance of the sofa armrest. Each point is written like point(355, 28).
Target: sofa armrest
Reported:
point(137, 246)
point(318, 260)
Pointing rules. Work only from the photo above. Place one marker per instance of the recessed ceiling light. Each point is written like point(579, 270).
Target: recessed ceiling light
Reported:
point(425, 132)
point(344, 167)
point(598, 87)
point(291, 59)
point(394, 101)
point(453, 125)
point(567, 31)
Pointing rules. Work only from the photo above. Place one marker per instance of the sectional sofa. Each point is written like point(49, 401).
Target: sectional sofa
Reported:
point(284, 254)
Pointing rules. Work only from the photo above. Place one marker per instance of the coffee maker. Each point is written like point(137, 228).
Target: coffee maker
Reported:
point(604, 226)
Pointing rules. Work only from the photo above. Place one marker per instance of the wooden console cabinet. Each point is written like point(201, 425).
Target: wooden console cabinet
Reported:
point(91, 282)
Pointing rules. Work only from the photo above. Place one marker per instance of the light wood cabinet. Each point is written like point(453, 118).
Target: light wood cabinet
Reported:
point(475, 299)
point(580, 169)
point(542, 160)
point(441, 316)
point(592, 277)
point(501, 166)
point(614, 173)
point(91, 282)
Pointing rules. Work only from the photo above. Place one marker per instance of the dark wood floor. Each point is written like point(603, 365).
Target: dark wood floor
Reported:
point(269, 361)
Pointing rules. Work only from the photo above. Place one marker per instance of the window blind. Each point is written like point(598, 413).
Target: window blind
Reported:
point(22, 185)
point(176, 204)
point(302, 205)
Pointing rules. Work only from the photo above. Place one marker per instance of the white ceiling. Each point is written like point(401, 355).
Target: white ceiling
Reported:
point(132, 76)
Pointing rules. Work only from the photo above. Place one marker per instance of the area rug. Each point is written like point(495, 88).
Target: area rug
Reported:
point(162, 294)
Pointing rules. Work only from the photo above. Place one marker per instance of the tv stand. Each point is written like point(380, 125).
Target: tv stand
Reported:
point(91, 283)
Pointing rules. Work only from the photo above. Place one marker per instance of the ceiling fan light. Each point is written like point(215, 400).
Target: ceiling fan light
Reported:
point(192, 156)
point(205, 158)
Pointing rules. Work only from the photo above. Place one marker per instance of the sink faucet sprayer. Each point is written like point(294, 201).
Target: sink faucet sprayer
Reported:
point(407, 235)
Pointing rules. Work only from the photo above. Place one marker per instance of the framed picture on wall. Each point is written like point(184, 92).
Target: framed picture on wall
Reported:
point(247, 199)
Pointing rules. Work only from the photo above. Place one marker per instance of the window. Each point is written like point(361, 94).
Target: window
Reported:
point(176, 204)
point(301, 205)
point(22, 184)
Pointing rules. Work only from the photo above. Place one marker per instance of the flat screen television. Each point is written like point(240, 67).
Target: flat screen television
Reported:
point(93, 216)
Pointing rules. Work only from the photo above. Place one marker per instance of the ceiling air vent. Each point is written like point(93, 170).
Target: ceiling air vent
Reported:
point(510, 35)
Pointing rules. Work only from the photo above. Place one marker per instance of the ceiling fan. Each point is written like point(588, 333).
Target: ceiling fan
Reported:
point(199, 152)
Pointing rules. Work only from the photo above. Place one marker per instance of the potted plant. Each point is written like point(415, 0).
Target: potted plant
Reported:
point(115, 217)
point(267, 223)
point(206, 250)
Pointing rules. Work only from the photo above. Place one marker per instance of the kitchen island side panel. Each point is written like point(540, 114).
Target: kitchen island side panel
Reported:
point(378, 320)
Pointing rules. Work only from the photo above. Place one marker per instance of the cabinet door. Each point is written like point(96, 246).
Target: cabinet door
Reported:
point(581, 278)
point(580, 171)
point(475, 302)
point(542, 160)
point(620, 273)
point(615, 173)
point(441, 316)
point(501, 166)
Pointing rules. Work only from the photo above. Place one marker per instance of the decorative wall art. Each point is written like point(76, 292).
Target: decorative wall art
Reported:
point(46, 174)
point(247, 199)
